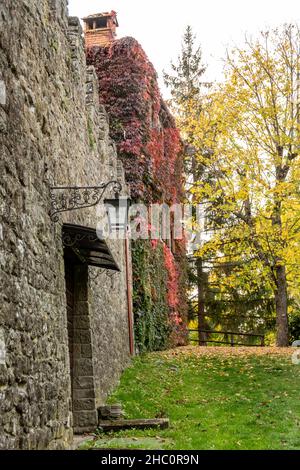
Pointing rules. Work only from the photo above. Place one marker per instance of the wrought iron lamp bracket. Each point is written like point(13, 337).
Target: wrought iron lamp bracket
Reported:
point(70, 198)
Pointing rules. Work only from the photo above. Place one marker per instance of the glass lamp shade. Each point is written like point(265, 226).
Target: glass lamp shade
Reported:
point(117, 212)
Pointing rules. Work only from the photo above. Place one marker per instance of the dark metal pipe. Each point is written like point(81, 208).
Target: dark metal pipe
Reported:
point(129, 298)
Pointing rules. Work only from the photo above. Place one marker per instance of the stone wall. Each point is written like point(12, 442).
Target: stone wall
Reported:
point(151, 150)
point(52, 130)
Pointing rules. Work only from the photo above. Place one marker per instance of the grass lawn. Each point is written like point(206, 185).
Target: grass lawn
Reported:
point(216, 398)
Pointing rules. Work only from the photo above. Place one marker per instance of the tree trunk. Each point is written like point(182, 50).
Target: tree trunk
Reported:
point(282, 328)
point(201, 307)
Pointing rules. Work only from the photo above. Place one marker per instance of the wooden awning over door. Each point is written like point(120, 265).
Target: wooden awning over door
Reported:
point(82, 245)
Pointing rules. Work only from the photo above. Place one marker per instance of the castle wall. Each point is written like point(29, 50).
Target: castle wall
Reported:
point(52, 130)
point(150, 148)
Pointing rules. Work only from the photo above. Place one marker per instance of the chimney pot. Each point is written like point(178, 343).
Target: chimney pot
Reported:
point(100, 29)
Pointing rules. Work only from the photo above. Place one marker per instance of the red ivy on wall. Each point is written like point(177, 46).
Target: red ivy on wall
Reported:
point(141, 125)
point(173, 279)
point(146, 136)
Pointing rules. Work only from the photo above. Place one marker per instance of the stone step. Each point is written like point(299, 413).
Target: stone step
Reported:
point(110, 412)
point(122, 424)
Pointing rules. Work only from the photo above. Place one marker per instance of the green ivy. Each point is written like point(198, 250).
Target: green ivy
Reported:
point(152, 328)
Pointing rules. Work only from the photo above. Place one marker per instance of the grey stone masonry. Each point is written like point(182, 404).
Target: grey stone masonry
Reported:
point(55, 370)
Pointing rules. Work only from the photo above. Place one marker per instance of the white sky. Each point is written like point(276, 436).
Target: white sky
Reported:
point(159, 24)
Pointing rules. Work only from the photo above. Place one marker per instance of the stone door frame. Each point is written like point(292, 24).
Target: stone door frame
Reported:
point(85, 417)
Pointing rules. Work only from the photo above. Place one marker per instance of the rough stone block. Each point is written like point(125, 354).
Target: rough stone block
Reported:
point(81, 322)
point(83, 382)
point(83, 393)
point(85, 419)
point(86, 350)
point(84, 404)
point(81, 308)
point(83, 367)
point(82, 336)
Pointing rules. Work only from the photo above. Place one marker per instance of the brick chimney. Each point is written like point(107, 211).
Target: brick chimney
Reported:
point(100, 29)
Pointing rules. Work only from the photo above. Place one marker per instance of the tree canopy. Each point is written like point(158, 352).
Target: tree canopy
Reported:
point(245, 135)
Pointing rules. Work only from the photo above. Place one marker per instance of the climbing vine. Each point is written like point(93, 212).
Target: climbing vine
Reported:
point(150, 148)
point(152, 325)
point(147, 139)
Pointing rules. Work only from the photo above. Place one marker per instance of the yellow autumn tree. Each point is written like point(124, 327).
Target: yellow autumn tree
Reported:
point(247, 138)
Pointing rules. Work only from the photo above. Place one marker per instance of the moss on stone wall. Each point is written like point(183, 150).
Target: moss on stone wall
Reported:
point(150, 149)
point(152, 325)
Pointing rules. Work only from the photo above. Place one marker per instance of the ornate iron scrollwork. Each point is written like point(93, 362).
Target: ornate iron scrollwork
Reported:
point(71, 240)
point(70, 198)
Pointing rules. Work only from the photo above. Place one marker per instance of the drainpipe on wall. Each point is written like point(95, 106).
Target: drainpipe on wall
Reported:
point(129, 297)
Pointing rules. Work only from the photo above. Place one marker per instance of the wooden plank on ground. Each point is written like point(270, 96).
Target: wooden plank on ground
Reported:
point(120, 424)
